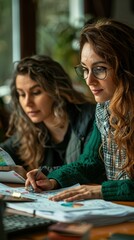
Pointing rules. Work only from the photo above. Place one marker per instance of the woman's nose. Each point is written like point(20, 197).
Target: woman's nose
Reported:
point(28, 100)
point(90, 80)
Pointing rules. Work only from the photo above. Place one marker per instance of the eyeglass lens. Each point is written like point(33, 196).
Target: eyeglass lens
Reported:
point(98, 72)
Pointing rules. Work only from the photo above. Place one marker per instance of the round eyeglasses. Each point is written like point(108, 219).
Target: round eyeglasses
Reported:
point(99, 72)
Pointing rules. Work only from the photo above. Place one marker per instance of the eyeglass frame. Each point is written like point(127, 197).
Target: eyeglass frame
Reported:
point(80, 66)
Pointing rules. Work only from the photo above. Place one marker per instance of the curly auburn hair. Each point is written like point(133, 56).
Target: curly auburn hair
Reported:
point(114, 42)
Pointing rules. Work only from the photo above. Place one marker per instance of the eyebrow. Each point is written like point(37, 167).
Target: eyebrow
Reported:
point(95, 63)
point(33, 87)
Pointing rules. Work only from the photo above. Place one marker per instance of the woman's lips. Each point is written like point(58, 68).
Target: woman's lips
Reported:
point(33, 113)
point(96, 91)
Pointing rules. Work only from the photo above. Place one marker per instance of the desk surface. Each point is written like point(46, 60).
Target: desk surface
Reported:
point(96, 233)
point(100, 233)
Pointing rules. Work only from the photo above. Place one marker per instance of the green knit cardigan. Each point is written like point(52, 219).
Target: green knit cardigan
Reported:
point(89, 168)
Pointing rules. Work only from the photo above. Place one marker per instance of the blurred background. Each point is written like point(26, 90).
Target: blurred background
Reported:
point(49, 27)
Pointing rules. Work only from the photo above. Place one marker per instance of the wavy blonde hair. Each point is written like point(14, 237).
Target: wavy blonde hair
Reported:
point(50, 75)
point(114, 42)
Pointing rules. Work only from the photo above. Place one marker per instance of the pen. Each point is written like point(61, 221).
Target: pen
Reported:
point(30, 188)
point(15, 197)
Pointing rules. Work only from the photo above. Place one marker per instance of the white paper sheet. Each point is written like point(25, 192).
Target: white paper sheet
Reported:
point(5, 158)
point(98, 212)
point(11, 176)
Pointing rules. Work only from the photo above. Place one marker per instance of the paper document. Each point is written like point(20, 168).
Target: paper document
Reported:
point(97, 212)
point(5, 158)
point(9, 171)
point(11, 176)
point(97, 217)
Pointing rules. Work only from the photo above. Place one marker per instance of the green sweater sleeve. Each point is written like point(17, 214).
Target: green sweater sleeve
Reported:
point(118, 190)
point(86, 169)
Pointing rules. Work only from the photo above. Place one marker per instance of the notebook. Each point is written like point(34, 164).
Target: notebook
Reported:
point(15, 224)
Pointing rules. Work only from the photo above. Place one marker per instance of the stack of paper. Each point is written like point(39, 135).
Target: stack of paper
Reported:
point(9, 171)
point(97, 212)
point(11, 176)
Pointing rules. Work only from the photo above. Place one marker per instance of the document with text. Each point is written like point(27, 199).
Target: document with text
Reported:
point(5, 158)
point(9, 171)
point(92, 211)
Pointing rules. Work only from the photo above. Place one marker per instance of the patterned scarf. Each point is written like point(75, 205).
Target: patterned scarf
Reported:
point(112, 159)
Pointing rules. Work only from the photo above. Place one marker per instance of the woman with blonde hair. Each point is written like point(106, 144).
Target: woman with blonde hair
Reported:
point(50, 121)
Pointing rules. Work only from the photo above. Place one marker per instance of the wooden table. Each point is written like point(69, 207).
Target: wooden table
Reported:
point(100, 233)
point(96, 233)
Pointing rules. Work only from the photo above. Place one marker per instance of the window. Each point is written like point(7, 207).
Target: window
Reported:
point(5, 40)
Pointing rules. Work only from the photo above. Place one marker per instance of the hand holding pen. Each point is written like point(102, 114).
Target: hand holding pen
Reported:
point(37, 182)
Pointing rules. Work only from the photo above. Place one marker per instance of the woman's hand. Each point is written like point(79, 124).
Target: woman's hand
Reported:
point(82, 192)
point(39, 182)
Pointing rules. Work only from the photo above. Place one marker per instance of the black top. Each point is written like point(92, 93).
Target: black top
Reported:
point(81, 119)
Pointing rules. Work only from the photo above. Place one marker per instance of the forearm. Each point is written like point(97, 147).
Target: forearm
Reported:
point(86, 169)
point(118, 190)
point(78, 172)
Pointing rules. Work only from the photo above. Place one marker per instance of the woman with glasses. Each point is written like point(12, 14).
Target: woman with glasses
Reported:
point(50, 121)
point(107, 65)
